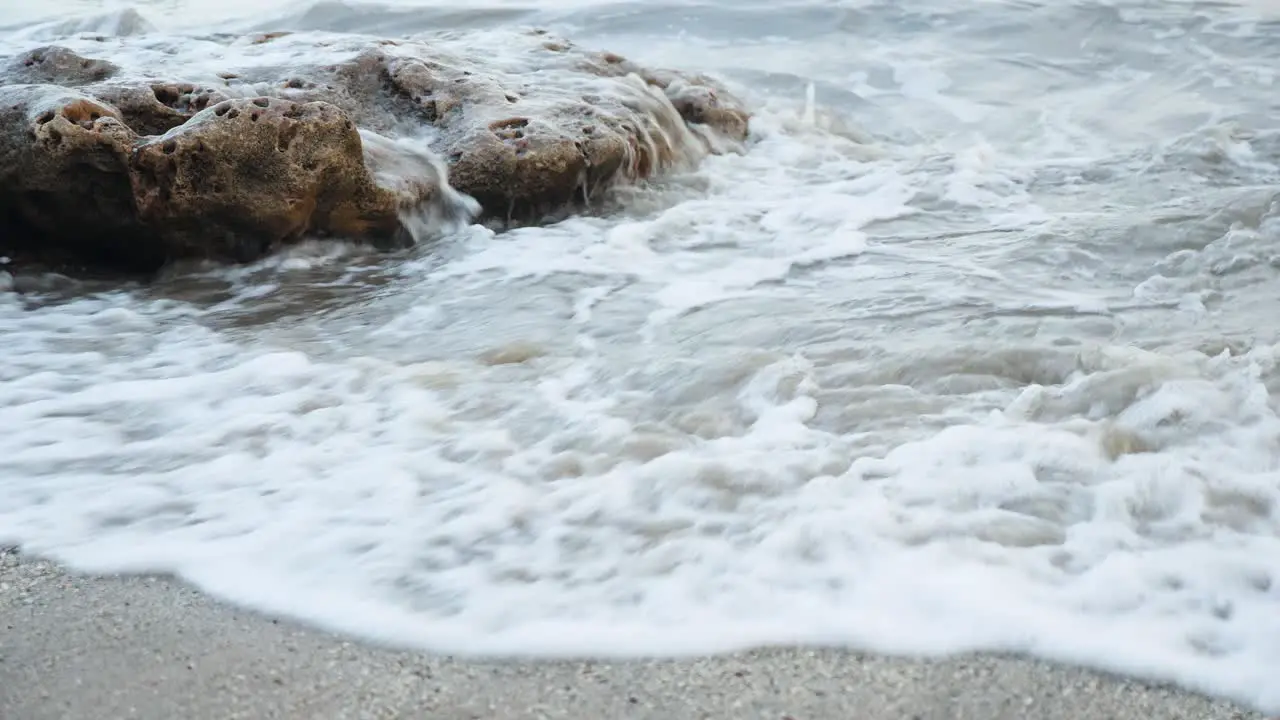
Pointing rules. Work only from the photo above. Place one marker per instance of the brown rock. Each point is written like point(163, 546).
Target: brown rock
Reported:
point(528, 146)
point(234, 183)
point(64, 190)
point(137, 166)
point(157, 109)
point(250, 175)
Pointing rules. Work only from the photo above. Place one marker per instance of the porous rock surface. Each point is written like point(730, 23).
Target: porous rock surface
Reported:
point(227, 148)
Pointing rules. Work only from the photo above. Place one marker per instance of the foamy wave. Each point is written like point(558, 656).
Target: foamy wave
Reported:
point(385, 500)
point(118, 23)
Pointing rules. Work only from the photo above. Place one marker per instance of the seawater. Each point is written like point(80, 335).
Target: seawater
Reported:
point(973, 347)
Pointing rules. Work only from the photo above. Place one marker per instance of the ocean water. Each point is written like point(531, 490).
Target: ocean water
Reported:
point(974, 347)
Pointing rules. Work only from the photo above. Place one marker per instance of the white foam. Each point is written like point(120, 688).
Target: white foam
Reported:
point(409, 166)
point(357, 496)
point(832, 390)
point(117, 23)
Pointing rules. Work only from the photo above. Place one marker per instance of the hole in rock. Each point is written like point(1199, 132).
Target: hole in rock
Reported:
point(165, 95)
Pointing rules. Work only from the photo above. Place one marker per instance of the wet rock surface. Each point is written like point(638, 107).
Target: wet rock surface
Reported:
point(81, 187)
point(58, 66)
point(130, 158)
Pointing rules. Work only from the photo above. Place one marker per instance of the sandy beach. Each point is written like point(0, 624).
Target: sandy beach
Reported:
point(74, 647)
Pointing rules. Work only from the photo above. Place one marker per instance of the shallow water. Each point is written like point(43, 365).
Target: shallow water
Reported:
point(975, 349)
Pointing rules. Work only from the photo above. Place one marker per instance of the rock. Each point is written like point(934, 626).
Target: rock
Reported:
point(225, 151)
point(157, 109)
point(64, 189)
point(246, 176)
point(56, 65)
point(527, 145)
point(235, 182)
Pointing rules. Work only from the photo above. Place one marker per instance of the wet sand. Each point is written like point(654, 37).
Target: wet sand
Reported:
point(107, 648)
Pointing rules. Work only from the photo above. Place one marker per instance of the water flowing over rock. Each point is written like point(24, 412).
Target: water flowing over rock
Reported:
point(131, 152)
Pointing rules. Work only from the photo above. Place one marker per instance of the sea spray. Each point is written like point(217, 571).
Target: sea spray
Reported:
point(408, 165)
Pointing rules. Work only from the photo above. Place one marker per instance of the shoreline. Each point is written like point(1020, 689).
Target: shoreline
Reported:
point(75, 646)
